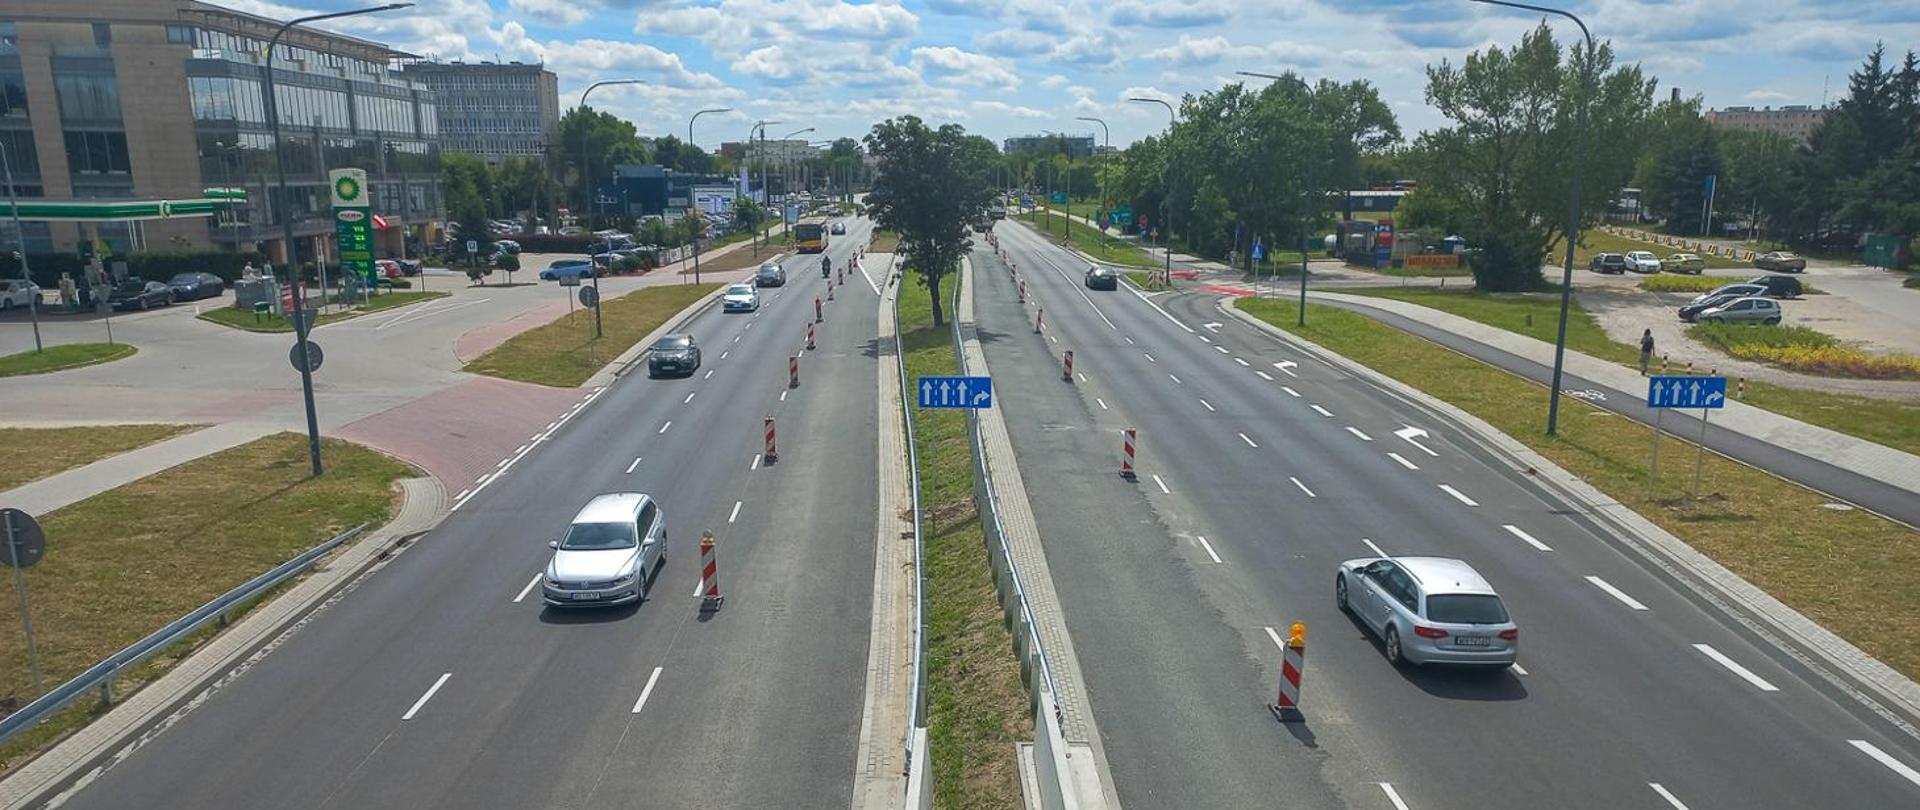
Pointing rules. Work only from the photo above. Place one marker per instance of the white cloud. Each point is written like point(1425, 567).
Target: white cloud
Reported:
point(988, 9)
point(1011, 42)
point(1054, 81)
point(1204, 51)
point(735, 26)
point(1170, 14)
point(557, 12)
point(964, 67)
point(1013, 110)
point(1766, 96)
point(1149, 92)
point(599, 56)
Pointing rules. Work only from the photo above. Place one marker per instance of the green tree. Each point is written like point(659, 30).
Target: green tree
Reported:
point(508, 263)
point(1681, 153)
point(1758, 183)
point(607, 139)
point(931, 184)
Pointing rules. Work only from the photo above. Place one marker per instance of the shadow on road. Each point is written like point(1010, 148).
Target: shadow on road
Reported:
point(1451, 682)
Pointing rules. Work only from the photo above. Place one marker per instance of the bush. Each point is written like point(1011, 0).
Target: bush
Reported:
point(629, 264)
point(46, 267)
point(1797, 348)
point(507, 262)
point(397, 283)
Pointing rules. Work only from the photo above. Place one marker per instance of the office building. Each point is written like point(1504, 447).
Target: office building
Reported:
point(1077, 146)
point(642, 190)
point(1797, 121)
point(492, 111)
point(111, 100)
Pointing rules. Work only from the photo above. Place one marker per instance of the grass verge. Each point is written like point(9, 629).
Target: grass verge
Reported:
point(884, 242)
point(118, 568)
point(565, 353)
point(30, 454)
point(63, 356)
point(1594, 240)
point(1086, 239)
point(246, 321)
point(1408, 271)
point(976, 704)
point(1798, 348)
point(1777, 535)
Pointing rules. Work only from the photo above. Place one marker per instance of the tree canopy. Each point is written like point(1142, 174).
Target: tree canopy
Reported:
point(931, 184)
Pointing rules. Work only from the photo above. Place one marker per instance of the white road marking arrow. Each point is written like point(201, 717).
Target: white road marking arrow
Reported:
point(1286, 366)
point(1212, 327)
point(1413, 435)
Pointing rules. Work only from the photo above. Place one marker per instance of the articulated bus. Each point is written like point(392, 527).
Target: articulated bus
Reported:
point(810, 234)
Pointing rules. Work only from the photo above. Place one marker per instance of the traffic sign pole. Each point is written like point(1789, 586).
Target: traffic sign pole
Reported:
point(1653, 472)
point(14, 539)
point(1699, 453)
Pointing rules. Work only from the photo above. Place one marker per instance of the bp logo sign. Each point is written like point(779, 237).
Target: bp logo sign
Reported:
point(347, 189)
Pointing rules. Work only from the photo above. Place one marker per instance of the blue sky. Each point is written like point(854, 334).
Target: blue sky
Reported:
point(1003, 68)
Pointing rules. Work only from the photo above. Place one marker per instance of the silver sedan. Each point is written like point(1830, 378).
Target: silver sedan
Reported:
point(1428, 610)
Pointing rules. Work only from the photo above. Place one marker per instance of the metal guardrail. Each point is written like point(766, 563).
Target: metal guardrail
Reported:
point(101, 675)
point(916, 728)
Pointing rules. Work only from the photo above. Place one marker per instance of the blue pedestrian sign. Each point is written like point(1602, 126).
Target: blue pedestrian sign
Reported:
point(1687, 392)
point(956, 392)
point(1259, 250)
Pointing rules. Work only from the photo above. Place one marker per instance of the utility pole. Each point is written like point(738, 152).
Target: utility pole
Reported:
point(1166, 211)
point(586, 175)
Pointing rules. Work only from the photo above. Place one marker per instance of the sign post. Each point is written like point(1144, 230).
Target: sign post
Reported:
point(353, 222)
point(26, 544)
point(1663, 393)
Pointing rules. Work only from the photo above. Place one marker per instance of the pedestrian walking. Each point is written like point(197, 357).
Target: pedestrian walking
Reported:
point(1646, 350)
point(69, 293)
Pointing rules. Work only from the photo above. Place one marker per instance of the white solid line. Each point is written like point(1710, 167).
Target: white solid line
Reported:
point(1242, 362)
point(1403, 461)
point(646, 690)
point(1458, 495)
point(736, 512)
point(1517, 669)
point(1103, 403)
point(1393, 797)
point(636, 463)
point(1671, 799)
point(1377, 552)
point(1516, 532)
point(1209, 405)
point(1275, 635)
point(1265, 376)
point(1289, 390)
point(1209, 547)
point(1150, 358)
point(689, 398)
point(756, 462)
point(463, 494)
point(1222, 350)
point(1243, 437)
point(708, 375)
point(528, 589)
point(1885, 759)
point(1322, 411)
point(663, 428)
point(428, 696)
point(1745, 674)
point(1356, 431)
point(1176, 380)
point(783, 396)
point(1163, 485)
point(1616, 593)
point(1303, 487)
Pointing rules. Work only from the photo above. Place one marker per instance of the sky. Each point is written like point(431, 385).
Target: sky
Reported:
point(1003, 68)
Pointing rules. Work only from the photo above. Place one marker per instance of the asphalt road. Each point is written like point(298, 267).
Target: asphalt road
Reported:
point(441, 681)
point(1260, 469)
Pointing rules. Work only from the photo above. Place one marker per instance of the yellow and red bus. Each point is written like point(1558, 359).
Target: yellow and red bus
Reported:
point(810, 235)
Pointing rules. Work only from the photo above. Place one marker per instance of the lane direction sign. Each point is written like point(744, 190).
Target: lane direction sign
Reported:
point(1687, 392)
point(956, 392)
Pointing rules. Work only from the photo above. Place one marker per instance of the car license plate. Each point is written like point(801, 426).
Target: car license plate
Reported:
point(583, 596)
point(1470, 641)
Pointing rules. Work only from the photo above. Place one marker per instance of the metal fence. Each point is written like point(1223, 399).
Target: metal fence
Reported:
point(100, 676)
point(919, 781)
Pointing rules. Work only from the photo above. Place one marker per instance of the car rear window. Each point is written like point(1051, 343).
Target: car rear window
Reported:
point(1466, 608)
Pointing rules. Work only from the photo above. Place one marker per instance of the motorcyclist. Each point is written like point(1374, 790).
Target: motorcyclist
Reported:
point(826, 266)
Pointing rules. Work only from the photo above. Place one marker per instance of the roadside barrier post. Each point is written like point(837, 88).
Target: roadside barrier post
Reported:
point(793, 371)
point(829, 292)
point(770, 456)
point(1126, 455)
point(1293, 660)
point(1066, 372)
point(817, 317)
point(1740, 391)
point(809, 337)
point(1039, 319)
point(1023, 291)
point(710, 597)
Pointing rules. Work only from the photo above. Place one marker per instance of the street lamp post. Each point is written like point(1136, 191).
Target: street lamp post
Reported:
point(1106, 151)
point(786, 177)
point(300, 329)
point(766, 192)
point(586, 173)
point(1313, 208)
point(1166, 210)
point(698, 228)
point(1573, 205)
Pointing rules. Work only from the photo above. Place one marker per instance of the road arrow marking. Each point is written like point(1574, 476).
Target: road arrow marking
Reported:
point(1287, 366)
point(1412, 435)
point(1212, 326)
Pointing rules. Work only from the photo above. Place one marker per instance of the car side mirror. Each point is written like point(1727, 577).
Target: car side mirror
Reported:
point(553, 544)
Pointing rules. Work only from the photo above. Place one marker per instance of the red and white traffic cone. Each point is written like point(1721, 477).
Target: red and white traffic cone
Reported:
point(809, 337)
point(1039, 320)
point(793, 375)
point(817, 316)
point(770, 456)
point(710, 597)
point(1066, 371)
point(1293, 661)
point(1126, 456)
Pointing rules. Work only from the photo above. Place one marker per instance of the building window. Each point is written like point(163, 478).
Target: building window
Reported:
point(97, 153)
point(9, 36)
point(180, 34)
point(17, 144)
point(88, 97)
point(13, 95)
point(102, 34)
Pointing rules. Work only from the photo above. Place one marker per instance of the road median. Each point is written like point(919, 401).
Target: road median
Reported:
point(564, 353)
point(62, 357)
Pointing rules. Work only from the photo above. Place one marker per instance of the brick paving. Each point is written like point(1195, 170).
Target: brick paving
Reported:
point(462, 432)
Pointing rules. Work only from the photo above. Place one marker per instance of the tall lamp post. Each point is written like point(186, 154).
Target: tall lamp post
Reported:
point(1166, 210)
point(766, 192)
point(698, 227)
point(586, 182)
point(786, 176)
point(1313, 207)
point(1573, 204)
point(286, 222)
point(1106, 150)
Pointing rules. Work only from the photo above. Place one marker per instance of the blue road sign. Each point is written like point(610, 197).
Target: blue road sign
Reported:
point(1259, 250)
point(956, 392)
point(1687, 392)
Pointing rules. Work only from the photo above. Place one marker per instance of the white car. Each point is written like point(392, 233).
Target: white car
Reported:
point(17, 293)
point(740, 298)
point(1643, 261)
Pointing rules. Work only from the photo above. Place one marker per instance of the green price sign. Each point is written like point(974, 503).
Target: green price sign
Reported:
point(352, 221)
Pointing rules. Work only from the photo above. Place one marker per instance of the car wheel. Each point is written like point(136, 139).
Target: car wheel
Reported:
point(143, 303)
point(1340, 593)
point(1773, 321)
point(6, 304)
point(1394, 654)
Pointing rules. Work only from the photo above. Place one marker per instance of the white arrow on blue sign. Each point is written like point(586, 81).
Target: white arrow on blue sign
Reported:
point(1687, 392)
point(956, 392)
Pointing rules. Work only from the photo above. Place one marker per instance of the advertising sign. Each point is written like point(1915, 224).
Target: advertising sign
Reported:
point(352, 221)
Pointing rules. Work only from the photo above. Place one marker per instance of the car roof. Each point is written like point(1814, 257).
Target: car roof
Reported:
point(1444, 575)
point(611, 507)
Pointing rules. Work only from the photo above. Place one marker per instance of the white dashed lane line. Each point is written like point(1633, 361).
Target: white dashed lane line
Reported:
point(1103, 403)
point(1322, 411)
point(736, 512)
point(1882, 757)
point(1735, 667)
point(1672, 800)
point(689, 398)
point(1394, 796)
point(1162, 485)
point(1241, 362)
point(1616, 593)
point(1458, 495)
point(1209, 406)
point(1150, 358)
point(663, 428)
point(1209, 548)
point(528, 589)
point(646, 690)
point(1243, 437)
point(1517, 532)
point(426, 697)
point(1377, 552)
point(1290, 391)
point(636, 463)
point(1303, 487)
point(1222, 350)
point(1176, 380)
point(709, 375)
point(1356, 432)
point(1402, 459)
point(1265, 376)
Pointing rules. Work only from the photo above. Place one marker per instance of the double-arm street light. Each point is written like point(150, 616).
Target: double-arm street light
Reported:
point(586, 182)
point(1106, 151)
point(786, 173)
point(1166, 179)
point(286, 223)
point(1573, 204)
point(766, 191)
point(698, 227)
point(1312, 202)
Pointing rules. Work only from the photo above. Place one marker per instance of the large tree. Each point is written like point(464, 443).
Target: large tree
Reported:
point(1681, 153)
point(931, 184)
point(607, 139)
point(1757, 187)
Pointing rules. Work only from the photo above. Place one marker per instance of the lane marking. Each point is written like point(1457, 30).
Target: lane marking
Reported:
point(1303, 487)
point(1163, 485)
point(1616, 593)
point(1150, 358)
point(1222, 350)
point(1664, 794)
point(1209, 547)
point(1394, 797)
point(1885, 759)
point(1356, 431)
point(1054, 339)
point(1403, 461)
point(1289, 390)
point(1204, 338)
point(1103, 403)
point(1176, 380)
point(783, 396)
point(723, 355)
point(520, 449)
point(1458, 495)
point(482, 480)
point(1127, 339)
point(1242, 362)
point(528, 589)
point(736, 338)
point(756, 462)
point(663, 428)
point(463, 494)
point(1517, 669)
point(1322, 411)
point(709, 375)
point(1243, 437)
point(426, 697)
point(1413, 435)
point(736, 512)
point(550, 427)
point(1516, 532)
point(1082, 375)
point(646, 690)
point(1275, 635)
point(1265, 376)
point(1734, 667)
point(636, 463)
point(1156, 308)
point(1377, 552)
point(689, 398)
point(1286, 367)
point(1209, 405)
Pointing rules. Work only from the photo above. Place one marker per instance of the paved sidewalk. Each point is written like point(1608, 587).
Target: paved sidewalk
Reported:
point(80, 483)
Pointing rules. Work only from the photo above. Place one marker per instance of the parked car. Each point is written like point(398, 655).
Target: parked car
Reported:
point(1608, 263)
point(574, 268)
point(610, 554)
point(136, 294)
point(1751, 309)
point(770, 274)
point(506, 246)
point(195, 286)
point(1780, 261)
point(387, 269)
point(740, 298)
point(838, 229)
point(1428, 610)
point(1683, 263)
point(17, 293)
point(1739, 290)
point(1779, 286)
point(673, 354)
point(1102, 278)
point(1693, 309)
point(1643, 261)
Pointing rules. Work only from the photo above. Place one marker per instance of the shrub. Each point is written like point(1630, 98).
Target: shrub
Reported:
point(507, 262)
point(397, 283)
point(629, 264)
point(1668, 283)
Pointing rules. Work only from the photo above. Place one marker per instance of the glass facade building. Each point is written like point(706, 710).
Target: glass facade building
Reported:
point(492, 111)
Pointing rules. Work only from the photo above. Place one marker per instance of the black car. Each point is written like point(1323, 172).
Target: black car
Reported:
point(1608, 263)
point(1694, 308)
point(1779, 286)
point(137, 294)
point(1102, 278)
point(673, 354)
point(195, 286)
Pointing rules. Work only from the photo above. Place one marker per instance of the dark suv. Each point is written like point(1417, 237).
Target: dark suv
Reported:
point(1608, 263)
point(1779, 286)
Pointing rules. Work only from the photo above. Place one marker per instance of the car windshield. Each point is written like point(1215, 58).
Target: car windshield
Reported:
point(739, 289)
point(672, 343)
point(1466, 608)
point(595, 536)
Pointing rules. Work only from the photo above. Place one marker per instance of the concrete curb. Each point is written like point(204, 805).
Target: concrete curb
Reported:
point(89, 752)
point(1883, 690)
